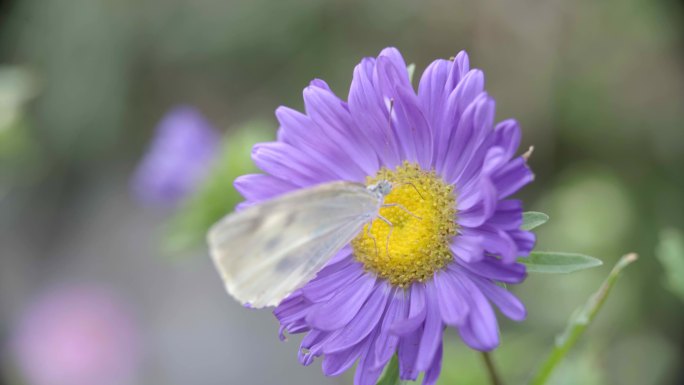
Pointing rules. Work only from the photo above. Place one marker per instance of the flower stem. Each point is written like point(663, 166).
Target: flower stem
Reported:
point(493, 375)
point(391, 374)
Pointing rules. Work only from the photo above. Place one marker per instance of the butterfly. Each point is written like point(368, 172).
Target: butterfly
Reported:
point(267, 251)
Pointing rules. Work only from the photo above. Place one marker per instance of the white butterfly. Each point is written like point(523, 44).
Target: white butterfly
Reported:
point(267, 251)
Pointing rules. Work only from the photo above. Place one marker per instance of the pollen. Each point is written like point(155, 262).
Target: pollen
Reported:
point(409, 241)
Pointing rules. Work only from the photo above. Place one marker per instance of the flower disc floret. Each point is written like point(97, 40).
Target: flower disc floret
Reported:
point(410, 240)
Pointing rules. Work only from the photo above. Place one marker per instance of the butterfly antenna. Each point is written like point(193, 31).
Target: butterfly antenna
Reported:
point(414, 187)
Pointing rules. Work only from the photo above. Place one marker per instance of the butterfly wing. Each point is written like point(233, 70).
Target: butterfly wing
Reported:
point(267, 251)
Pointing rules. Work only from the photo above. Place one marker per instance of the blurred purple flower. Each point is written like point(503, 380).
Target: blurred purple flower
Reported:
point(76, 336)
point(178, 158)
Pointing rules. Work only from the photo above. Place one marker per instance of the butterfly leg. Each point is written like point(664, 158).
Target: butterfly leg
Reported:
point(369, 232)
point(389, 233)
point(402, 207)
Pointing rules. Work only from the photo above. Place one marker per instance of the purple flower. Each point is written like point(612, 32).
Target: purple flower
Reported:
point(451, 233)
point(178, 158)
point(76, 336)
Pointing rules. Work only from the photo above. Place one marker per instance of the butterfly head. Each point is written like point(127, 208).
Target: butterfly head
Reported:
point(382, 188)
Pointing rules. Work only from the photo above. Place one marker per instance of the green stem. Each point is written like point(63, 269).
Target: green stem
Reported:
point(391, 374)
point(491, 369)
point(579, 322)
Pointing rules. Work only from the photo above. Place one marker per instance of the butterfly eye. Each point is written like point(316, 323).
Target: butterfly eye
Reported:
point(385, 187)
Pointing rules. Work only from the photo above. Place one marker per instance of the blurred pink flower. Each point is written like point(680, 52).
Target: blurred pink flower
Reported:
point(76, 336)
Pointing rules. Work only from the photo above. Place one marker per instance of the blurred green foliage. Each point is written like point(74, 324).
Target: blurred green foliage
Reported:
point(216, 197)
point(670, 252)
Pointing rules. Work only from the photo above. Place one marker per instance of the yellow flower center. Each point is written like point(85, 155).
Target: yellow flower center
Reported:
point(410, 239)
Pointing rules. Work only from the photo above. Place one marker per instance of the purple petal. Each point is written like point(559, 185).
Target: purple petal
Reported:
point(512, 177)
point(366, 372)
point(478, 205)
point(417, 311)
point(342, 308)
point(432, 92)
point(468, 247)
point(387, 342)
point(331, 116)
point(291, 310)
point(461, 66)
point(455, 119)
point(432, 374)
point(320, 83)
point(508, 215)
point(363, 323)
point(336, 363)
point(481, 326)
point(310, 346)
point(432, 333)
point(281, 159)
point(497, 242)
point(369, 111)
point(507, 136)
point(399, 73)
point(408, 353)
point(330, 281)
point(451, 298)
point(492, 268)
point(509, 304)
point(525, 240)
point(412, 127)
point(469, 338)
point(259, 187)
point(299, 131)
point(473, 127)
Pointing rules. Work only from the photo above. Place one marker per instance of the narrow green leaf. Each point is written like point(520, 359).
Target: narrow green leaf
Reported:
point(670, 252)
point(579, 322)
point(553, 262)
point(391, 374)
point(532, 219)
point(411, 68)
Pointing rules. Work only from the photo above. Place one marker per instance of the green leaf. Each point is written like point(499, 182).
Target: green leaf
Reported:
point(670, 252)
point(554, 262)
point(532, 219)
point(579, 322)
point(391, 374)
point(411, 68)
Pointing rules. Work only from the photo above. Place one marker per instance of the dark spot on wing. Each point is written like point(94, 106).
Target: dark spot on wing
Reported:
point(253, 226)
point(284, 265)
point(272, 243)
point(289, 219)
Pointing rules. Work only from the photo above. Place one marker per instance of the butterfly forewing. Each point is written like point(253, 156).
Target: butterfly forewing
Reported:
point(269, 250)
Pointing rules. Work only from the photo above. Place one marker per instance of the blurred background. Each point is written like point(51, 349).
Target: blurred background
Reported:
point(104, 278)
